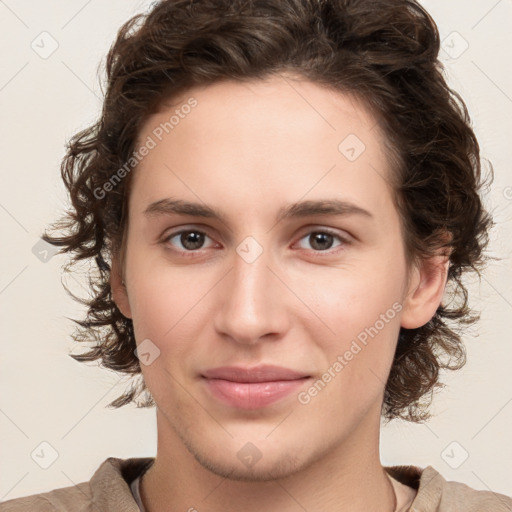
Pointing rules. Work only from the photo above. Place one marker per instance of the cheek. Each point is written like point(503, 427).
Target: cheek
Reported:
point(362, 309)
point(356, 361)
point(346, 301)
point(163, 301)
point(170, 317)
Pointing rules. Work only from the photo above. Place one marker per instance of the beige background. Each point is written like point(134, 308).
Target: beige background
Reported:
point(48, 397)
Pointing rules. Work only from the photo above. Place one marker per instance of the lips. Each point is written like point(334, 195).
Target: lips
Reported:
point(264, 373)
point(252, 388)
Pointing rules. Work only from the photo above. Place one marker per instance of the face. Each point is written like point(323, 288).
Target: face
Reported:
point(292, 256)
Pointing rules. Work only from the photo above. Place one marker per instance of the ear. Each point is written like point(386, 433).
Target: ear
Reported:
point(118, 287)
point(427, 282)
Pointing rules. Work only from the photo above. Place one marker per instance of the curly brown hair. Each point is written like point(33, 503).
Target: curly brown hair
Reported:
point(383, 51)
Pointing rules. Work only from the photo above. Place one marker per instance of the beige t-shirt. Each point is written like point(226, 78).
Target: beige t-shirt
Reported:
point(109, 491)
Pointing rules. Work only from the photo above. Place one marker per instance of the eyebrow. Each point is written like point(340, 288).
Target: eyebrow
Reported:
point(300, 209)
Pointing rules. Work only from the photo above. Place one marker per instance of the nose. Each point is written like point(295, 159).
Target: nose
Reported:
point(251, 301)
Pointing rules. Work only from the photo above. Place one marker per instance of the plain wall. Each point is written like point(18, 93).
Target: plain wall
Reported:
point(48, 397)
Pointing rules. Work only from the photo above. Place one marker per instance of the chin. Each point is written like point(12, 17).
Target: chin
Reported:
point(273, 468)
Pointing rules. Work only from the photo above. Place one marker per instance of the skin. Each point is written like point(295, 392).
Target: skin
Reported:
point(248, 150)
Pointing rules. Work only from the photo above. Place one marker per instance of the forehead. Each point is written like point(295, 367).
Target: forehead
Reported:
point(274, 139)
point(299, 108)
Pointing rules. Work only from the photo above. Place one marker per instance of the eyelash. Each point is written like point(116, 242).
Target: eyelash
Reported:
point(317, 253)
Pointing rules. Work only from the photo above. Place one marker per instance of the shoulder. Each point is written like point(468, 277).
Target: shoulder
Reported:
point(436, 494)
point(73, 498)
point(107, 490)
point(459, 496)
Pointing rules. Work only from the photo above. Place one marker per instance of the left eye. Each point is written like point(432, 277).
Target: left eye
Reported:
point(322, 240)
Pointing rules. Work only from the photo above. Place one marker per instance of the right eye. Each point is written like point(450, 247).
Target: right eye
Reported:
point(190, 240)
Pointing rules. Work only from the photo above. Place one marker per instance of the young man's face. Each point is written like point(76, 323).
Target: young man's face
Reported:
point(323, 295)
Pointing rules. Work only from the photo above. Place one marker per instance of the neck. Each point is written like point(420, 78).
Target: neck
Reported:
point(349, 477)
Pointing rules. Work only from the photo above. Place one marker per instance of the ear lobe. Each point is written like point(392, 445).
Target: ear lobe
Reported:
point(118, 287)
point(425, 293)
